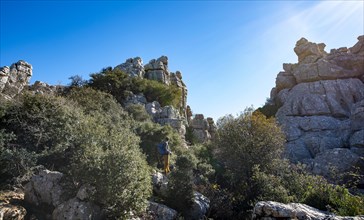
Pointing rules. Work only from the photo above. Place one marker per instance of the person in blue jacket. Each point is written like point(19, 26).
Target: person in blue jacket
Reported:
point(163, 149)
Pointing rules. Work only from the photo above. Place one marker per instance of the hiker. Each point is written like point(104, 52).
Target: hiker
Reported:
point(163, 150)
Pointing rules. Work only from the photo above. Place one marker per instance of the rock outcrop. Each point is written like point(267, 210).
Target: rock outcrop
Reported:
point(203, 128)
point(43, 88)
point(321, 100)
point(133, 66)
point(45, 193)
point(157, 69)
point(275, 210)
point(14, 78)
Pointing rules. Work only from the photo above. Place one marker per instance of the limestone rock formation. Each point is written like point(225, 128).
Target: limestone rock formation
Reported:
point(321, 100)
point(44, 188)
point(203, 129)
point(14, 78)
point(157, 69)
point(43, 88)
point(133, 66)
point(275, 210)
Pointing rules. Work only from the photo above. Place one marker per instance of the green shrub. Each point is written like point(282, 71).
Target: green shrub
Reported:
point(42, 124)
point(14, 161)
point(119, 83)
point(180, 192)
point(291, 183)
point(190, 137)
point(156, 91)
point(110, 160)
point(151, 134)
point(247, 141)
point(138, 112)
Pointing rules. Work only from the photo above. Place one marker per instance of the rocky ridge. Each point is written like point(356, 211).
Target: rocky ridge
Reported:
point(321, 106)
point(157, 69)
point(15, 78)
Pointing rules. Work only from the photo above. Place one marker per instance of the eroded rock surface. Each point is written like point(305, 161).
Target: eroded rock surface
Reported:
point(14, 78)
point(269, 210)
point(321, 100)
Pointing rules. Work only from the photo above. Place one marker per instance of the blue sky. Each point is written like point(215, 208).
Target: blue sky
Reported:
point(229, 52)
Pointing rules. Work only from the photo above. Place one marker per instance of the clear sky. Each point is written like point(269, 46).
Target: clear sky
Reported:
point(229, 52)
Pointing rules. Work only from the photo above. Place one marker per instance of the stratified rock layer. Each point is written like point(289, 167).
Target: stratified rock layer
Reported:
point(321, 101)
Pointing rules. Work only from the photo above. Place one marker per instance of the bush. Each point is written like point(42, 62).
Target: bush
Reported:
point(180, 192)
point(138, 112)
point(106, 154)
point(151, 134)
point(247, 141)
point(111, 161)
point(42, 124)
point(291, 183)
point(14, 161)
point(118, 84)
point(88, 136)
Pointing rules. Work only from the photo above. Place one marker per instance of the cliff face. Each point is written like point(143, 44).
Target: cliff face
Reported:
point(321, 101)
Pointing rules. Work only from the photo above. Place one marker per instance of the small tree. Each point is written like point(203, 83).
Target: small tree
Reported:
point(180, 193)
point(248, 141)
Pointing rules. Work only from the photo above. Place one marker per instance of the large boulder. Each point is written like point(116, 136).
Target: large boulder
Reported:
point(160, 184)
point(161, 212)
point(199, 208)
point(309, 52)
point(320, 103)
point(44, 188)
point(268, 210)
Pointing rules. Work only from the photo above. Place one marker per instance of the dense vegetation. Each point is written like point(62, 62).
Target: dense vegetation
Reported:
point(87, 134)
point(119, 84)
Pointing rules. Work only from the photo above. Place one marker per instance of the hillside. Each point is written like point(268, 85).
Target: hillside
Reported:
point(88, 150)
